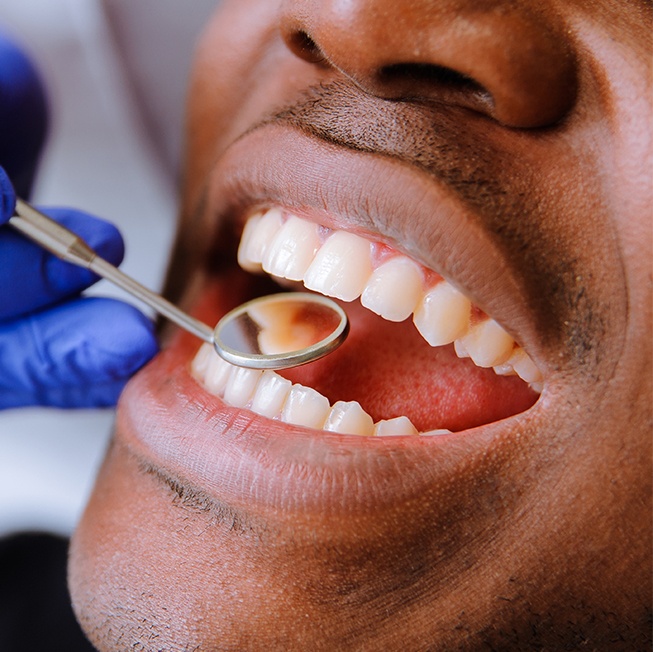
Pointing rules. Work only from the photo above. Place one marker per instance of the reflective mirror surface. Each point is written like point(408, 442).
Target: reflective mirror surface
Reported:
point(281, 330)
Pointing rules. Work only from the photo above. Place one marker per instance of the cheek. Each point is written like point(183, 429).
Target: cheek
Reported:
point(223, 77)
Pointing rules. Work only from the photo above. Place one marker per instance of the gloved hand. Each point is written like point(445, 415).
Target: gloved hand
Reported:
point(23, 115)
point(57, 348)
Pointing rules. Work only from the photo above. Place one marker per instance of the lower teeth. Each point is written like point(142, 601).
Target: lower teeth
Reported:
point(272, 396)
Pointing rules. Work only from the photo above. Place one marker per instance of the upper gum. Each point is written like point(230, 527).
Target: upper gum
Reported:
point(381, 251)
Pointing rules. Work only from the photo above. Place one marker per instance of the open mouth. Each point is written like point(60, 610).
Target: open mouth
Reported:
point(351, 226)
point(421, 357)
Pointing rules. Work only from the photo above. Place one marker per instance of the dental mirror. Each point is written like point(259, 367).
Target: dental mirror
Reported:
point(273, 332)
point(280, 331)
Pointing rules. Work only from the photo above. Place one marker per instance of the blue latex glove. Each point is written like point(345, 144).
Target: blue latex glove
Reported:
point(23, 115)
point(56, 348)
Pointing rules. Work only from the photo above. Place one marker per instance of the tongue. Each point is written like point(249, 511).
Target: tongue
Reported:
point(391, 371)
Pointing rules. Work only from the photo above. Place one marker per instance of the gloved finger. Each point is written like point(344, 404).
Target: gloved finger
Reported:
point(7, 197)
point(79, 354)
point(31, 278)
point(23, 115)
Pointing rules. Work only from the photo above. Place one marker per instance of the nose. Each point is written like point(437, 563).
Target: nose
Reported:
point(504, 58)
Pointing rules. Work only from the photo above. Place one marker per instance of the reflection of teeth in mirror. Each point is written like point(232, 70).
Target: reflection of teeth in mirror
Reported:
point(272, 396)
point(275, 342)
point(292, 250)
point(343, 266)
point(282, 328)
point(394, 289)
point(348, 417)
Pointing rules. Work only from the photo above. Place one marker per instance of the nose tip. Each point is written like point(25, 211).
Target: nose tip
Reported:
point(499, 58)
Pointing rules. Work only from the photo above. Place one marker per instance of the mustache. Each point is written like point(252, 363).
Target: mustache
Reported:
point(425, 135)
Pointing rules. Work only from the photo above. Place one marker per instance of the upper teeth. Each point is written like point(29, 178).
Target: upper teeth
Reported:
point(346, 266)
point(343, 265)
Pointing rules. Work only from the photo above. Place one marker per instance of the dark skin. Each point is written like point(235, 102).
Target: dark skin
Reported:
point(502, 145)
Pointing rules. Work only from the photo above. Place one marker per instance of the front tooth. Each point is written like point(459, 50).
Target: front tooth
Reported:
point(270, 394)
point(293, 249)
point(396, 426)
point(349, 418)
point(442, 315)
point(217, 375)
point(257, 236)
point(241, 385)
point(394, 289)
point(341, 267)
point(305, 407)
point(487, 344)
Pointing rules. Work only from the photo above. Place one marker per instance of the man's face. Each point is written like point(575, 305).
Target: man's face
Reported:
point(486, 167)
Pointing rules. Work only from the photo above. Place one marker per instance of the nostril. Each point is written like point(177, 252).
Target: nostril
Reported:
point(427, 73)
point(432, 81)
point(303, 46)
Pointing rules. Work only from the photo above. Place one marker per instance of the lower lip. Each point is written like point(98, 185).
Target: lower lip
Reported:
point(242, 460)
